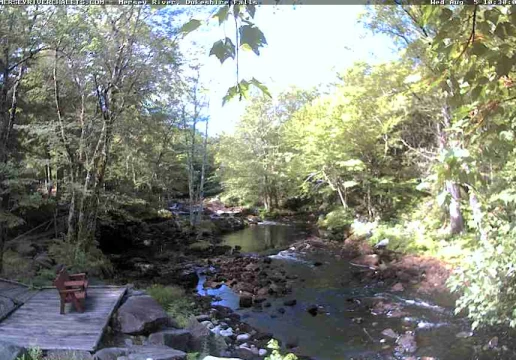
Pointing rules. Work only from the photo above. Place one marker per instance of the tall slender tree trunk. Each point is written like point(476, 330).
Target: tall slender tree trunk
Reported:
point(203, 171)
point(455, 212)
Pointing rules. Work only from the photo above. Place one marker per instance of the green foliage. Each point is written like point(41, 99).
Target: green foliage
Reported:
point(269, 214)
point(486, 280)
point(77, 260)
point(33, 353)
point(275, 354)
point(337, 220)
point(192, 356)
point(178, 304)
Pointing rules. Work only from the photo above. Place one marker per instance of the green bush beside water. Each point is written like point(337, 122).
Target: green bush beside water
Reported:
point(175, 301)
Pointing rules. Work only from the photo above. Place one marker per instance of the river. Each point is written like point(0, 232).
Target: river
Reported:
point(343, 327)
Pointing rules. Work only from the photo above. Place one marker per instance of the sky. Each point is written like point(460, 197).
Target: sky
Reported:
point(307, 46)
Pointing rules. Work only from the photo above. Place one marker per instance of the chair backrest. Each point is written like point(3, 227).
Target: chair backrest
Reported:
point(62, 276)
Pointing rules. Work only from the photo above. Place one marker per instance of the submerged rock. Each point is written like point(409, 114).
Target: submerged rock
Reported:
point(246, 301)
point(291, 302)
point(312, 310)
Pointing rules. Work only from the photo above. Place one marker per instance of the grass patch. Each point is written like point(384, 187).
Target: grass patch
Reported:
point(179, 305)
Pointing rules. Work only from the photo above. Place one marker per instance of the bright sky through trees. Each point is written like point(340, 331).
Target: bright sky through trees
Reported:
point(307, 46)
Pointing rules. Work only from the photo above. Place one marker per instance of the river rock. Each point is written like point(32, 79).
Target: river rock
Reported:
point(291, 302)
point(141, 314)
point(155, 353)
point(110, 353)
point(246, 301)
point(201, 318)
point(219, 358)
point(390, 333)
point(407, 343)
point(492, 344)
point(246, 353)
point(464, 334)
point(243, 337)
point(367, 260)
point(69, 354)
point(199, 335)
point(10, 351)
point(226, 333)
point(397, 287)
point(312, 310)
point(177, 338)
point(262, 352)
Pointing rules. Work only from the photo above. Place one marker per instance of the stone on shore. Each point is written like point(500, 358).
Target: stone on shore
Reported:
point(175, 338)
point(140, 315)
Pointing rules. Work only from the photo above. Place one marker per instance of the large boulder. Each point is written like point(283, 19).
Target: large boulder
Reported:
point(110, 354)
point(200, 335)
point(141, 315)
point(175, 338)
point(155, 353)
point(10, 351)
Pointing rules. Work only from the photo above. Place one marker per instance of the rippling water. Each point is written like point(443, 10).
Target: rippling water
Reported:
point(345, 328)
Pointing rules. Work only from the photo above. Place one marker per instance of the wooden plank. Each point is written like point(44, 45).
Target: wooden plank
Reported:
point(106, 321)
point(39, 323)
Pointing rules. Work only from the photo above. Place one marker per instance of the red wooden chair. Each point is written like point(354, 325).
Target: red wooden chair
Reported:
point(72, 289)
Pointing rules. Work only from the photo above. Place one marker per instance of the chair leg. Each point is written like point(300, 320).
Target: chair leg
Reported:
point(78, 305)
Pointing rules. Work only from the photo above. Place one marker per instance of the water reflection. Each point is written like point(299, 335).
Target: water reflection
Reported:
point(260, 238)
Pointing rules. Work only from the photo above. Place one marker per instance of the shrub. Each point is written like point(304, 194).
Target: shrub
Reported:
point(93, 262)
point(337, 220)
point(178, 304)
point(486, 279)
point(269, 214)
point(276, 355)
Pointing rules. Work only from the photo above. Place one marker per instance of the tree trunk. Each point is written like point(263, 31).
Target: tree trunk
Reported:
point(456, 219)
point(203, 171)
point(455, 213)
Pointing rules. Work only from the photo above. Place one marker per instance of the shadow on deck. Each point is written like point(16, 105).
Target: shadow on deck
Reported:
point(38, 323)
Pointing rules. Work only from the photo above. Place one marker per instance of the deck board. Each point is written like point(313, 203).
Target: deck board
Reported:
point(38, 323)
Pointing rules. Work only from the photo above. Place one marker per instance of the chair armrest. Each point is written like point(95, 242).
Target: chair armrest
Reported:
point(76, 284)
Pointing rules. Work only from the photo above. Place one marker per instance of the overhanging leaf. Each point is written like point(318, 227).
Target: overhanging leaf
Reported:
point(251, 9)
point(253, 37)
point(232, 92)
point(222, 14)
point(260, 86)
point(223, 50)
point(190, 26)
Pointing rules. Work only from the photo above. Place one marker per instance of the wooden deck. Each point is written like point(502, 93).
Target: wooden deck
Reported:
point(37, 323)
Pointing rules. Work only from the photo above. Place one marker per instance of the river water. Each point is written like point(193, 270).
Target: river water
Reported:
point(344, 328)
